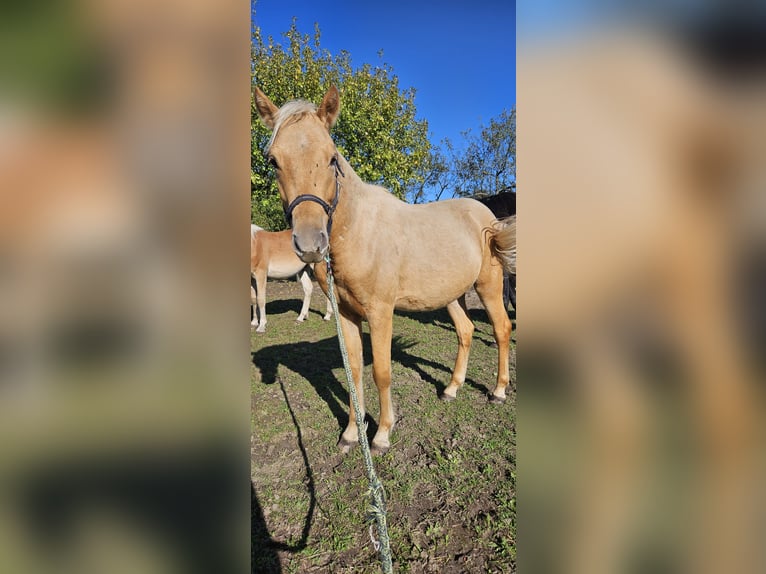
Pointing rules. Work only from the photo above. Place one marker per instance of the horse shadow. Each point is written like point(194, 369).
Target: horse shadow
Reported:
point(436, 318)
point(263, 553)
point(263, 548)
point(314, 361)
point(282, 306)
point(440, 318)
point(286, 306)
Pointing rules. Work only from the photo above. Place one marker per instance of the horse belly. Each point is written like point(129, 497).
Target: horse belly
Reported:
point(285, 269)
point(421, 303)
point(436, 289)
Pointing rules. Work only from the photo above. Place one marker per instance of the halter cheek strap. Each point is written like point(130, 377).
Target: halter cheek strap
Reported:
point(329, 208)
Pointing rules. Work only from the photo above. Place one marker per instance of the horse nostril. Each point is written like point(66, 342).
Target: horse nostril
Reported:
point(295, 244)
point(323, 240)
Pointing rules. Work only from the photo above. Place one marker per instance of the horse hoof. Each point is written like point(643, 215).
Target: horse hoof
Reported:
point(446, 398)
point(379, 450)
point(495, 400)
point(346, 445)
point(260, 330)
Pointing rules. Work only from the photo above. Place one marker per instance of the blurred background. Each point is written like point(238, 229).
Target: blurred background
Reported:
point(123, 245)
point(124, 204)
point(641, 319)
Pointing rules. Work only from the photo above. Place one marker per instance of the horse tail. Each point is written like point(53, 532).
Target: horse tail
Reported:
point(503, 242)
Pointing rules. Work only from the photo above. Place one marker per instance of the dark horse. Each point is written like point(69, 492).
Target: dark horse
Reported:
point(503, 205)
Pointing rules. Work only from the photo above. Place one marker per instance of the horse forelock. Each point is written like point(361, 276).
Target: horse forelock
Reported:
point(290, 113)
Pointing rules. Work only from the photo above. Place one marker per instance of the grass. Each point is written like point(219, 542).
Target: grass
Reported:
point(450, 473)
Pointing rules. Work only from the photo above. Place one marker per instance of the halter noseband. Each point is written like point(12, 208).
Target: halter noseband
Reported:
point(329, 208)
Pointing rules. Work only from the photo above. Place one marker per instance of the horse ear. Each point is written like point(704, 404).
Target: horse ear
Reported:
point(266, 109)
point(330, 107)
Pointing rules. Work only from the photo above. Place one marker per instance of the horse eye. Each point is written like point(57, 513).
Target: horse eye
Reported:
point(273, 162)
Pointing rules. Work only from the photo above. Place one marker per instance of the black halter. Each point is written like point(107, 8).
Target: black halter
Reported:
point(329, 208)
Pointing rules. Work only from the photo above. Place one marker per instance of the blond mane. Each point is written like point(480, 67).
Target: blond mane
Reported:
point(289, 113)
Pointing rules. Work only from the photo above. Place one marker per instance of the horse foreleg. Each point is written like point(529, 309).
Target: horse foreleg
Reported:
point(381, 323)
point(260, 295)
point(305, 280)
point(254, 319)
point(352, 334)
point(328, 313)
point(491, 296)
point(464, 327)
point(321, 276)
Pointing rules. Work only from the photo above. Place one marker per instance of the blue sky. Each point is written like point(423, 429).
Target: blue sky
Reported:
point(460, 56)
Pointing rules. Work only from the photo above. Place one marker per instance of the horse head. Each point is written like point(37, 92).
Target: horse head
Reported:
point(307, 167)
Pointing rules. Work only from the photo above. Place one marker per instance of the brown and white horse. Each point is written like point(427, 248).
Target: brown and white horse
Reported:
point(272, 257)
point(386, 254)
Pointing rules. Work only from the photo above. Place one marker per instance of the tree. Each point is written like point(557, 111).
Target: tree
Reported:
point(438, 176)
point(487, 165)
point(376, 132)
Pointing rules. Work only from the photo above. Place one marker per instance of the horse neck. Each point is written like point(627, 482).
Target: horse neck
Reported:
point(353, 192)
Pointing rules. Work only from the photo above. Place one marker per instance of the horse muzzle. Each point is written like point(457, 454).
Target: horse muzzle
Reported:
point(311, 245)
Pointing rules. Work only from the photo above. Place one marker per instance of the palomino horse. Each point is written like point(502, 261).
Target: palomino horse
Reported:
point(272, 256)
point(386, 254)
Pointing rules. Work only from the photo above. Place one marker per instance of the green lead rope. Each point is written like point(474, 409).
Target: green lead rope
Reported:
point(377, 507)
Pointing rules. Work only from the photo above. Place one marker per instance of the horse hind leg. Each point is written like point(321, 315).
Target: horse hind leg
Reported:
point(464, 327)
point(308, 288)
point(489, 287)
